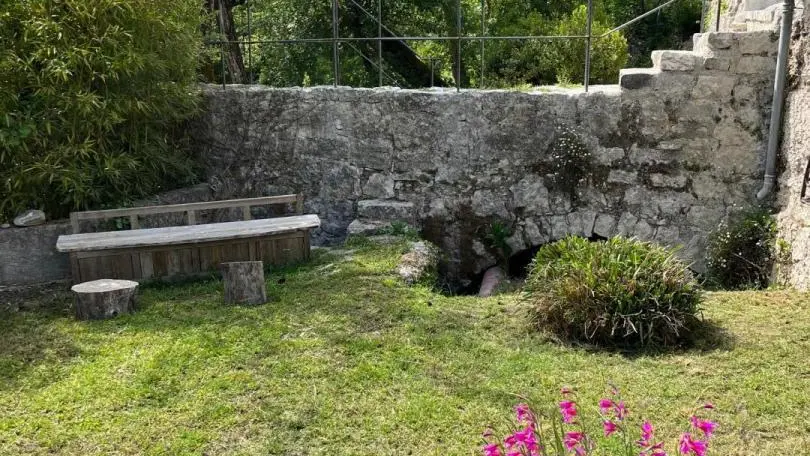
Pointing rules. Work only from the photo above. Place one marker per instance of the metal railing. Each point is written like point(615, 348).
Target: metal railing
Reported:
point(336, 40)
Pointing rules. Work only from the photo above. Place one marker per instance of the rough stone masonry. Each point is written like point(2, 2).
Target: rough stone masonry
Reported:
point(794, 215)
point(664, 156)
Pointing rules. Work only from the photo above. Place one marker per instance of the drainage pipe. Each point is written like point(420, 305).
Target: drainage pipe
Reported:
point(778, 100)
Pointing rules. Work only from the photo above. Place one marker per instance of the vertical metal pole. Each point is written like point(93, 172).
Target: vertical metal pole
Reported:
point(335, 38)
point(483, 34)
point(379, 43)
point(222, 57)
point(221, 42)
point(717, 19)
point(249, 45)
point(588, 46)
point(702, 16)
point(458, 45)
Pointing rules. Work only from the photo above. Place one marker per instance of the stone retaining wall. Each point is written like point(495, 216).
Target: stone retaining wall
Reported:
point(28, 255)
point(670, 152)
point(663, 156)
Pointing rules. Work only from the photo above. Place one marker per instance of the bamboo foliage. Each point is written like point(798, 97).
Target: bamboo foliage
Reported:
point(93, 95)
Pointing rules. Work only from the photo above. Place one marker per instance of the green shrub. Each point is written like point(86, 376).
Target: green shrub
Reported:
point(608, 54)
point(541, 62)
point(742, 251)
point(93, 94)
point(619, 292)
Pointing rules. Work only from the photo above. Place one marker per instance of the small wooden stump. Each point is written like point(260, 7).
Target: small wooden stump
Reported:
point(105, 298)
point(244, 282)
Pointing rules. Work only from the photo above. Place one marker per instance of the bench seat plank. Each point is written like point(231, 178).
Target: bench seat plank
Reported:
point(177, 235)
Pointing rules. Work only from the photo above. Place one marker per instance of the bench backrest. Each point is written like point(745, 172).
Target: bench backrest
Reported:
point(189, 208)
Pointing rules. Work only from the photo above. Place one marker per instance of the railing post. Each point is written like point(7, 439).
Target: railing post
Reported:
point(379, 43)
point(335, 39)
point(250, 44)
point(717, 18)
point(222, 57)
point(458, 46)
point(483, 34)
point(703, 16)
point(588, 46)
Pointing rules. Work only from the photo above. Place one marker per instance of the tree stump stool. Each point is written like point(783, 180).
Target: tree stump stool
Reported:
point(244, 282)
point(105, 298)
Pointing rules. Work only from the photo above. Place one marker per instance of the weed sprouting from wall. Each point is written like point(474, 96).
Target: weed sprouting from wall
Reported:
point(496, 239)
point(569, 161)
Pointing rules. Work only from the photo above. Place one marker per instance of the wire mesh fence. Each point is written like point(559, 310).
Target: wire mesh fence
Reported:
point(355, 47)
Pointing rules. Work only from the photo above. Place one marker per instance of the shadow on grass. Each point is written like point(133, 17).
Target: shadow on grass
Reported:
point(707, 336)
point(344, 299)
point(32, 337)
point(39, 326)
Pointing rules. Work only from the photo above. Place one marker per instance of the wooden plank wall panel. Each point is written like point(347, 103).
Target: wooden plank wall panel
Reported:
point(147, 271)
point(177, 262)
point(290, 250)
point(210, 256)
point(137, 264)
point(117, 266)
point(268, 252)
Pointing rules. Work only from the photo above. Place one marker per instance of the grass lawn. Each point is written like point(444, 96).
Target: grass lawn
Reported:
point(348, 361)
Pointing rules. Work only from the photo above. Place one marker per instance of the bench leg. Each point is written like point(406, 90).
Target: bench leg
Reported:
point(74, 268)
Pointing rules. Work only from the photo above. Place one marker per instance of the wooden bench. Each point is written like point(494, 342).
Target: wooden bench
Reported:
point(154, 253)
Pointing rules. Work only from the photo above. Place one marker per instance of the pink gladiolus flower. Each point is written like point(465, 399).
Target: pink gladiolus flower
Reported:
point(573, 439)
point(569, 411)
point(523, 413)
point(684, 446)
point(609, 428)
point(688, 445)
point(510, 441)
point(621, 411)
point(605, 405)
point(514, 453)
point(699, 447)
point(706, 426)
point(646, 431)
point(492, 450)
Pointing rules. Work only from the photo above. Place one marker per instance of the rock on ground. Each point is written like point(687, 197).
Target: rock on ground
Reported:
point(421, 260)
point(30, 217)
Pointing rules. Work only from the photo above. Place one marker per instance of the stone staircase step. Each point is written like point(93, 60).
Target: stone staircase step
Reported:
point(637, 78)
point(674, 60)
point(386, 210)
point(366, 227)
point(759, 19)
point(707, 44)
point(763, 42)
point(733, 45)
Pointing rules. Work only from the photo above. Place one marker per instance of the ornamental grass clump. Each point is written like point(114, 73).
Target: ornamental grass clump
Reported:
point(620, 292)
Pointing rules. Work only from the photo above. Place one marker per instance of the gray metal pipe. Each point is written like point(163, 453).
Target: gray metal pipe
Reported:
point(769, 181)
point(336, 41)
point(588, 40)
